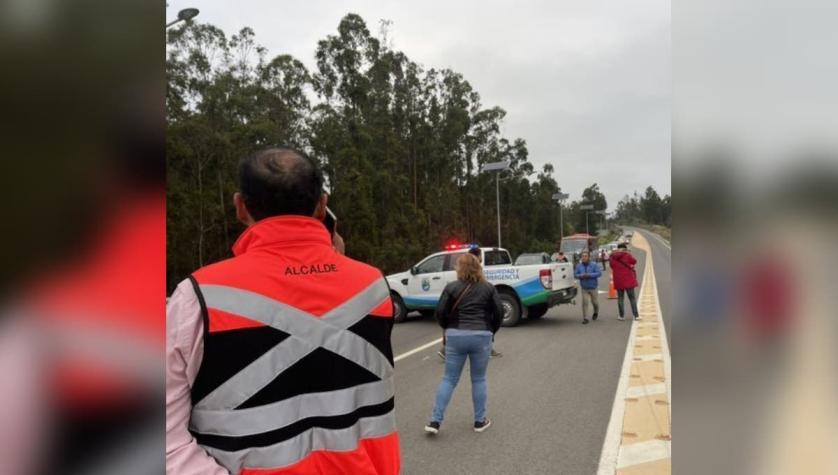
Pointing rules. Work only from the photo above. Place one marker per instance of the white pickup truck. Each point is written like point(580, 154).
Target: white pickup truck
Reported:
point(528, 290)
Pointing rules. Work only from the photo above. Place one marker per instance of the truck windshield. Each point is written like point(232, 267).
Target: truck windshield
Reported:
point(574, 245)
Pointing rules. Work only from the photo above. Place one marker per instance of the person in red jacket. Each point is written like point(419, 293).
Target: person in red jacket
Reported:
point(625, 279)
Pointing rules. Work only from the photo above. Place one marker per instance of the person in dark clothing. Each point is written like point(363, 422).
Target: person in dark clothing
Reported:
point(625, 279)
point(471, 313)
point(476, 252)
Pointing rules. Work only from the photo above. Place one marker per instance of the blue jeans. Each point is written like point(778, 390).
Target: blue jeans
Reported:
point(477, 346)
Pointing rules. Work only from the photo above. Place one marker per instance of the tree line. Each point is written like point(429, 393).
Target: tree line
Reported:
point(402, 147)
point(648, 208)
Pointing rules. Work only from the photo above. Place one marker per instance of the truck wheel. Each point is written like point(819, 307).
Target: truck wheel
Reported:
point(399, 309)
point(511, 309)
point(537, 311)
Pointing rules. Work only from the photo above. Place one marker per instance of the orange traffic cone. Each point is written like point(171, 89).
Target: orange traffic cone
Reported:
point(612, 292)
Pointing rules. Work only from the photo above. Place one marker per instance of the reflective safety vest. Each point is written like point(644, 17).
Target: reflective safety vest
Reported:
point(297, 369)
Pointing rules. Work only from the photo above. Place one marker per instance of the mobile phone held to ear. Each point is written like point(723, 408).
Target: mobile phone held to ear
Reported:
point(330, 221)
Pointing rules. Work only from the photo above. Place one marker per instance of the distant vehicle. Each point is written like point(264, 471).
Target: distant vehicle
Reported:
point(610, 247)
point(532, 258)
point(525, 290)
point(574, 244)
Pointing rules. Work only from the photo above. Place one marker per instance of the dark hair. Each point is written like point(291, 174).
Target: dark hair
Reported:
point(280, 181)
point(622, 245)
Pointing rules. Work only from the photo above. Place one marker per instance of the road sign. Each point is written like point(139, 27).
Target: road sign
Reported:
point(560, 196)
point(496, 166)
point(586, 207)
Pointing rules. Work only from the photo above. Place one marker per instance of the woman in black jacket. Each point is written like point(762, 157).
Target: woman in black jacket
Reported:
point(470, 311)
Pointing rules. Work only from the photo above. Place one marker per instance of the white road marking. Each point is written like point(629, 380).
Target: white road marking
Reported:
point(417, 349)
point(654, 357)
point(613, 435)
point(644, 452)
point(647, 390)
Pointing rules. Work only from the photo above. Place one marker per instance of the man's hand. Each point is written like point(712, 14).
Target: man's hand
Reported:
point(338, 244)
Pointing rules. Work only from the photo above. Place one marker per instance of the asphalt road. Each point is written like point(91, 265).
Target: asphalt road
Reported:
point(550, 394)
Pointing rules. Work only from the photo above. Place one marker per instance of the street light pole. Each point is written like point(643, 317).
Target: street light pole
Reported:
point(561, 223)
point(559, 197)
point(497, 167)
point(587, 207)
point(497, 201)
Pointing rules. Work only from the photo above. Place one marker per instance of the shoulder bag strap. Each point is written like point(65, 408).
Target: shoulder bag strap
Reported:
point(462, 294)
point(627, 267)
point(623, 264)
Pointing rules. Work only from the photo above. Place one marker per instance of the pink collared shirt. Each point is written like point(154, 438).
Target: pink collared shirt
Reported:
point(184, 351)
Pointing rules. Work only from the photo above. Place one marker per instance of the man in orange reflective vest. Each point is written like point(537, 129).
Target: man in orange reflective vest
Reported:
point(279, 358)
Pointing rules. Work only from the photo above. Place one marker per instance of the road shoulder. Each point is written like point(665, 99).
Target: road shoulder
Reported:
point(639, 433)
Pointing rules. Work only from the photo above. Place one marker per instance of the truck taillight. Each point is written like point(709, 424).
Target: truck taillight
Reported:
point(546, 278)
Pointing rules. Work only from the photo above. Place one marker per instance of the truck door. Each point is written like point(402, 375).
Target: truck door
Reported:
point(427, 284)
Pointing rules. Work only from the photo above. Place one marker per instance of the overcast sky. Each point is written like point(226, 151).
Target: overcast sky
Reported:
point(586, 83)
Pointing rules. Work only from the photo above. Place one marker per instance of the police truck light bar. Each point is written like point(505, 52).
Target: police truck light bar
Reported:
point(454, 247)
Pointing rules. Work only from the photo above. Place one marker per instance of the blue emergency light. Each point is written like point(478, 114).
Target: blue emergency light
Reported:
point(454, 247)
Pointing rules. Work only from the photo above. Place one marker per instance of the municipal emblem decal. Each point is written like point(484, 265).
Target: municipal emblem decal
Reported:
point(426, 285)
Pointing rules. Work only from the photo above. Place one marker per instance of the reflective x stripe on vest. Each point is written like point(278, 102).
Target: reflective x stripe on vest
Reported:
point(283, 432)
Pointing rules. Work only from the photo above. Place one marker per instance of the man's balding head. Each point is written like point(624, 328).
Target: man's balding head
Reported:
point(279, 181)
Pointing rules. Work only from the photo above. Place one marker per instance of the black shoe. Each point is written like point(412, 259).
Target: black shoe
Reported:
point(594, 316)
point(584, 321)
point(432, 427)
point(481, 426)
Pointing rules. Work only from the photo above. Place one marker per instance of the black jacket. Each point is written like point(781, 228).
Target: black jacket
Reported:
point(479, 309)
